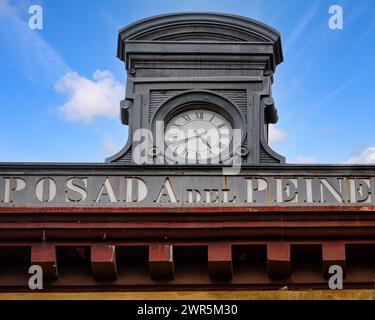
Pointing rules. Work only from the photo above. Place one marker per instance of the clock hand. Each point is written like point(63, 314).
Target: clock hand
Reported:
point(205, 141)
point(199, 134)
point(177, 143)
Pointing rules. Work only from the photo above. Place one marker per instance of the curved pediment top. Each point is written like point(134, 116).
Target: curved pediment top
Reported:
point(192, 26)
point(201, 26)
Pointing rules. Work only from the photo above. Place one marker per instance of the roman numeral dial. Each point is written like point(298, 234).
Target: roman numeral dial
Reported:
point(198, 134)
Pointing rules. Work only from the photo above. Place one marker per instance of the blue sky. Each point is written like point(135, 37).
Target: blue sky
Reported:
point(60, 87)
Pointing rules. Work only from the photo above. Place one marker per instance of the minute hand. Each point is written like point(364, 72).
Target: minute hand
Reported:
point(178, 142)
point(205, 141)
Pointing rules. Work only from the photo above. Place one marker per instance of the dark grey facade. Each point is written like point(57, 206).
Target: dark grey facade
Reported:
point(132, 186)
point(174, 63)
point(223, 61)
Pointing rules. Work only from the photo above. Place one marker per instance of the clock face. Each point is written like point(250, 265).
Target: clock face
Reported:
point(198, 134)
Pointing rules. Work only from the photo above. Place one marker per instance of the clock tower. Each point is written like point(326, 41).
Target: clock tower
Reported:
point(181, 224)
point(199, 89)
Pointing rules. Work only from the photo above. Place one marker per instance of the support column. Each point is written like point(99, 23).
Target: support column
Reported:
point(103, 261)
point(333, 254)
point(44, 255)
point(278, 260)
point(161, 261)
point(220, 264)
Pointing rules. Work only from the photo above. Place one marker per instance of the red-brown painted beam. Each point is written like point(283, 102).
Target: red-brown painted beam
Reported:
point(239, 209)
point(161, 261)
point(44, 255)
point(103, 261)
point(220, 264)
point(333, 254)
point(278, 260)
point(142, 281)
point(181, 230)
point(201, 242)
point(188, 225)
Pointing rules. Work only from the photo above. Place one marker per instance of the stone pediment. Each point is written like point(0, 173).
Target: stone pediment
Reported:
point(200, 27)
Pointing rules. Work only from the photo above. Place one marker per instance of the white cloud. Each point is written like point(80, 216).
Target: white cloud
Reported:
point(276, 135)
point(367, 156)
point(305, 159)
point(38, 60)
point(28, 52)
point(89, 99)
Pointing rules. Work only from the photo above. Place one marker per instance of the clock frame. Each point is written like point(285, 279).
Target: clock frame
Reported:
point(199, 134)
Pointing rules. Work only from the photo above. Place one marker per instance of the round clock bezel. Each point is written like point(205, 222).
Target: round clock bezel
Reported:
point(191, 100)
point(202, 107)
